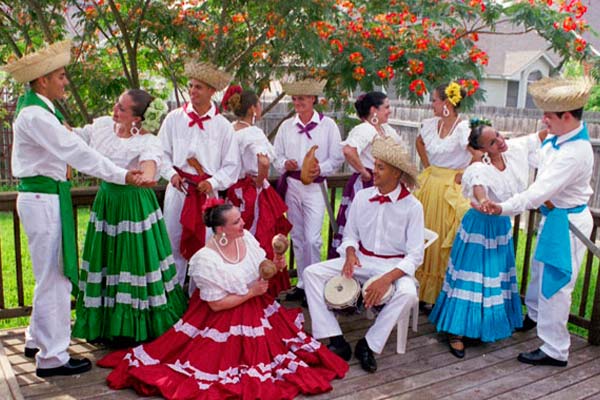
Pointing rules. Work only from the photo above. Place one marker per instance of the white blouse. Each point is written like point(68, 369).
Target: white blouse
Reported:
point(216, 279)
point(124, 152)
point(502, 185)
point(253, 141)
point(362, 136)
point(449, 152)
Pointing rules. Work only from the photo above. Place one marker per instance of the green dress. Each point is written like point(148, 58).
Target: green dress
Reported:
point(128, 285)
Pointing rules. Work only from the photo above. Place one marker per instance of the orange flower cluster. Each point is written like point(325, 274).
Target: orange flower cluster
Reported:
point(238, 18)
point(395, 53)
point(356, 58)
point(324, 29)
point(418, 86)
point(470, 85)
point(475, 3)
point(478, 55)
point(386, 73)
point(358, 73)
point(415, 67)
point(580, 44)
point(338, 44)
point(447, 43)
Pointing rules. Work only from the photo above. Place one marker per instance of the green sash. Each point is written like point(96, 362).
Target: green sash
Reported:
point(32, 99)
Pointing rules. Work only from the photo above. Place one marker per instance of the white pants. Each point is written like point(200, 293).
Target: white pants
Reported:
point(50, 325)
point(306, 209)
point(552, 314)
point(324, 323)
point(172, 207)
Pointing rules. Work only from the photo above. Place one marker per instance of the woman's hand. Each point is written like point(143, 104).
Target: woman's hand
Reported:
point(258, 288)
point(279, 260)
point(291, 165)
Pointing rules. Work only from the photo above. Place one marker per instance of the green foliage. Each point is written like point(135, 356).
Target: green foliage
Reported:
point(361, 44)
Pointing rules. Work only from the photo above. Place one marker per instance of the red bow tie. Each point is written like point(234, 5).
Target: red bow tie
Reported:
point(381, 199)
point(196, 119)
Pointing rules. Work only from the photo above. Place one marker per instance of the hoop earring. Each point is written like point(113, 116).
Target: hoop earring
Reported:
point(134, 130)
point(485, 158)
point(374, 120)
point(223, 240)
point(445, 111)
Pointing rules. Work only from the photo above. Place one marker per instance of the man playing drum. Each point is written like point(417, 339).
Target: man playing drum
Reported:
point(383, 237)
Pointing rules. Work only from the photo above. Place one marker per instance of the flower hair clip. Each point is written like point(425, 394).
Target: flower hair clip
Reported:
point(154, 115)
point(475, 122)
point(212, 202)
point(453, 93)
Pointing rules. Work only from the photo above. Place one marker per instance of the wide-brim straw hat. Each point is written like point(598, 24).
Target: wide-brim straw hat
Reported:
point(561, 94)
point(40, 63)
point(207, 73)
point(395, 154)
point(306, 87)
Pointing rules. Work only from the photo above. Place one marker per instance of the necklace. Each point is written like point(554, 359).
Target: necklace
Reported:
point(239, 121)
point(451, 128)
point(237, 250)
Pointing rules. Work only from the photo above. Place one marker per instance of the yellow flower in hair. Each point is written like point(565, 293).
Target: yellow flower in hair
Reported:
point(453, 93)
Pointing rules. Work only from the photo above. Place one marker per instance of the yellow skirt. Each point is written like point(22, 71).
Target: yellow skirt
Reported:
point(444, 207)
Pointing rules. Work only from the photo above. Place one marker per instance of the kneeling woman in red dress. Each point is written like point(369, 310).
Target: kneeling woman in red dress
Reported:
point(234, 341)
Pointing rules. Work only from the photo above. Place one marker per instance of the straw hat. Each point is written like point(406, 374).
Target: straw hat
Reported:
point(393, 153)
point(560, 94)
point(306, 87)
point(40, 63)
point(207, 73)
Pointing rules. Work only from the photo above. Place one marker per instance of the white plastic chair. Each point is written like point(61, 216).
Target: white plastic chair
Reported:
point(404, 319)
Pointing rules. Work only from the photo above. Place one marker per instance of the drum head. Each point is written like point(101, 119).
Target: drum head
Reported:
point(341, 292)
point(388, 294)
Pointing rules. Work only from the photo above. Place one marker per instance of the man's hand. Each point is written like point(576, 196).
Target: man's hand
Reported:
point(350, 262)
point(291, 165)
point(315, 171)
point(365, 176)
point(375, 291)
point(205, 187)
point(177, 182)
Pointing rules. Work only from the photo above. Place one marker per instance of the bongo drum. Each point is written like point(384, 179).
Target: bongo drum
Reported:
point(386, 296)
point(341, 294)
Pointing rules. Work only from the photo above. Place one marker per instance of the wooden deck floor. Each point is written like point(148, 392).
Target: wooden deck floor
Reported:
point(426, 371)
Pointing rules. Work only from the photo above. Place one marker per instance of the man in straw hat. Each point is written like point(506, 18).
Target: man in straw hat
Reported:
point(306, 205)
point(384, 236)
point(562, 190)
point(42, 147)
point(201, 158)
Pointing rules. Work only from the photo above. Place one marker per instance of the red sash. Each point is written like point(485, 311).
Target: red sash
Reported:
point(193, 234)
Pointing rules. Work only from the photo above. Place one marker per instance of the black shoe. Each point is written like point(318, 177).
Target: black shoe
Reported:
point(452, 340)
point(73, 367)
point(538, 357)
point(30, 352)
point(344, 350)
point(528, 324)
point(425, 308)
point(296, 295)
point(365, 356)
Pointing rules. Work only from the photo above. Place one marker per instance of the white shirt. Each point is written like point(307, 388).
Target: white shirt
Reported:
point(214, 147)
point(449, 152)
point(563, 177)
point(361, 138)
point(252, 141)
point(390, 228)
point(291, 145)
point(501, 185)
point(43, 146)
point(217, 279)
point(125, 152)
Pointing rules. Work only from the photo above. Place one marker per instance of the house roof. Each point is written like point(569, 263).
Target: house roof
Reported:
point(510, 49)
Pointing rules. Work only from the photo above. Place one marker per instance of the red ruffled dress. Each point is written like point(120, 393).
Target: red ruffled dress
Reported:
point(263, 210)
point(256, 350)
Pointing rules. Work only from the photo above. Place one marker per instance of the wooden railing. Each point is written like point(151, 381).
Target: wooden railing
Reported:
point(84, 197)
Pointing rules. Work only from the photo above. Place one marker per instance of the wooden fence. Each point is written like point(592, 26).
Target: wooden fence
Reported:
point(83, 197)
